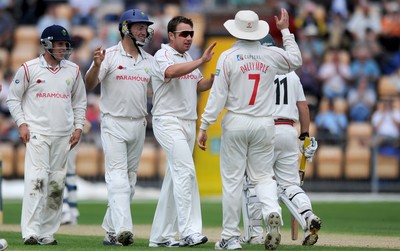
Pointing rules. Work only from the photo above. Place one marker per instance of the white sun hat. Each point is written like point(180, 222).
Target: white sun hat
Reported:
point(247, 26)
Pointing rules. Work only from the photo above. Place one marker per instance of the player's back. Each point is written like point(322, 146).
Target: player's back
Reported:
point(288, 90)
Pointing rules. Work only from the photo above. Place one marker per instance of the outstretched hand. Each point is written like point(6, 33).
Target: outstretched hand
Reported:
point(283, 21)
point(208, 53)
point(98, 56)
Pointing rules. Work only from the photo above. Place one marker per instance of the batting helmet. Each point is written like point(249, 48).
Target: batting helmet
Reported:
point(132, 16)
point(55, 33)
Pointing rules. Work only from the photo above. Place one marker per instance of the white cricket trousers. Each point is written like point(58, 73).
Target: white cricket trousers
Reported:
point(179, 202)
point(286, 168)
point(123, 141)
point(247, 145)
point(44, 180)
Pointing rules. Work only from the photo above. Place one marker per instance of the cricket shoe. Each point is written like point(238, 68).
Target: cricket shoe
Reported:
point(313, 226)
point(168, 244)
point(273, 237)
point(47, 241)
point(111, 240)
point(193, 240)
point(230, 244)
point(125, 237)
point(255, 240)
point(31, 240)
point(3, 244)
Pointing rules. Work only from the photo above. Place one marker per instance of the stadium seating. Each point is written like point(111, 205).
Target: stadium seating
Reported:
point(329, 160)
point(386, 87)
point(7, 158)
point(87, 160)
point(357, 162)
point(387, 167)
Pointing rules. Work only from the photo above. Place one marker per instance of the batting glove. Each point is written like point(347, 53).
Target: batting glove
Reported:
point(311, 149)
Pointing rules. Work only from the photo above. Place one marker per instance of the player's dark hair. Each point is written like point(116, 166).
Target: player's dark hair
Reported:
point(173, 23)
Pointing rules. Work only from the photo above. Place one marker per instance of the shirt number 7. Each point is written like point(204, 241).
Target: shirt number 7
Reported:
point(256, 78)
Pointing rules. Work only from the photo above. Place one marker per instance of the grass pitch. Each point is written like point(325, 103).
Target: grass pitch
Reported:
point(359, 218)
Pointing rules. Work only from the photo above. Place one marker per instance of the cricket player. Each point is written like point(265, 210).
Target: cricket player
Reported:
point(123, 71)
point(175, 86)
point(47, 100)
point(291, 107)
point(244, 86)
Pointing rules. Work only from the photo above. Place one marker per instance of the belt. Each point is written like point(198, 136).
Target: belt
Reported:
point(284, 122)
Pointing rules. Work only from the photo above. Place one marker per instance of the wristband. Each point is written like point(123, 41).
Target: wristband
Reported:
point(303, 135)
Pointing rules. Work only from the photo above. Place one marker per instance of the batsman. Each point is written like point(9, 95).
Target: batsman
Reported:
point(291, 107)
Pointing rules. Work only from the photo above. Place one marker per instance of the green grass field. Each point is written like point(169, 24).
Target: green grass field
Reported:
point(359, 218)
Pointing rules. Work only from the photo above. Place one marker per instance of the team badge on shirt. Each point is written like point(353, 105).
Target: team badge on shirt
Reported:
point(68, 81)
point(217, 71)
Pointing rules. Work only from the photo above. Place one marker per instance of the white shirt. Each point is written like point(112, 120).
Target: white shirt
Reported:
point(124, 83)
point(177, 96)
point(51, 101)
point(245, 75)
point(288, 91)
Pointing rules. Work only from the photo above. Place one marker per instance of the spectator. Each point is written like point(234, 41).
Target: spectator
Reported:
point(363, 18)
point(7, 27)
point(334, 75)
point(331, 125)
point(386, 124)
point(50, 17)
point(363, 66)
point(84, 12)
point(361, 101)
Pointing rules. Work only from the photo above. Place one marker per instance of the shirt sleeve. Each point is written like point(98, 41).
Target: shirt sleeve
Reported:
point(17, 90)
point(218, 95)
point(79, 102)
point(164, 60)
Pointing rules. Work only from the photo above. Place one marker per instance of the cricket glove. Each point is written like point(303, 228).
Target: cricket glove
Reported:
point(310, 149)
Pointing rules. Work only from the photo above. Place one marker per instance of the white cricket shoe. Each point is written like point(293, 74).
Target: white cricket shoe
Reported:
point(230, 244)
point(313, 226)
point(47, 241)
point(111, 240)
point(193, 240)
point(255, 240)
point(169, 244)
point(3, 244)
point(273, 237)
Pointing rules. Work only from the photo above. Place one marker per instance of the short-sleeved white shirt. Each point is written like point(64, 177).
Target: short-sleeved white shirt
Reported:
point(178, 96)
point(51, 101)
point(124, 83)
point(288, 90)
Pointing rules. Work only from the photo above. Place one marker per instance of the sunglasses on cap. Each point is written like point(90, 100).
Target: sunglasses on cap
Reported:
point(184, 33)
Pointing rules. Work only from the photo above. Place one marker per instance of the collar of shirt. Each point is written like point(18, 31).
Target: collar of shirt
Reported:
point(142, 53)
point(44, 64)
point(173, 51)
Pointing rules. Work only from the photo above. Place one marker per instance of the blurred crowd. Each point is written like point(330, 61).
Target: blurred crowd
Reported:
point(351, 56)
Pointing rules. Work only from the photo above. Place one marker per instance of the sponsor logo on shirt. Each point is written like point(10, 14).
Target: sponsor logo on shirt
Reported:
point(121, 67)
point(135, 78)
point(52, 95)
point(39, 81)
point(16, 81)
point(68, 81)
point(254, 66)
point(188, 76)
point(241, 57)
point(217, 71)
